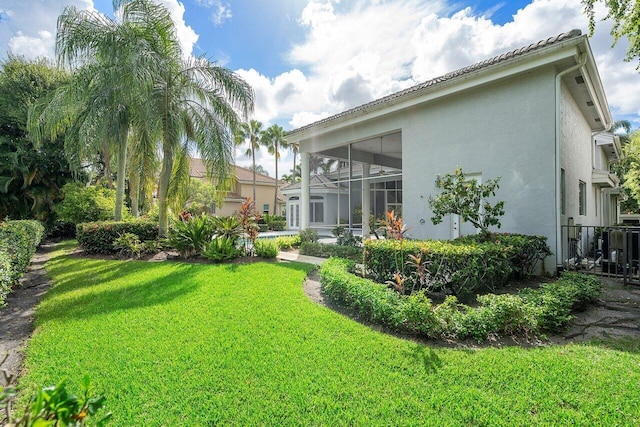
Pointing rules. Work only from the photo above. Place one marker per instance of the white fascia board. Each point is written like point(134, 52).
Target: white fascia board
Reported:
point(464, 82)
point(596, 90)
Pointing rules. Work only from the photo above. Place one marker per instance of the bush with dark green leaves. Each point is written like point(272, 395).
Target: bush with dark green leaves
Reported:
point(528, 313)
point(326, 250)
point(277, 225)
point(99, 237)
point(309, 235)
point(18, 242)
point(523, 251)
point(460, 269)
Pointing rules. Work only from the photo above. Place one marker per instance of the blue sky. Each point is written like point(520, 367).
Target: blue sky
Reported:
point(308, 59)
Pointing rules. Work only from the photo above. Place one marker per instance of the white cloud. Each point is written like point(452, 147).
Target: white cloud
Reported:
point(354, 52)
point(28, 27)
point(186, 35)
point(221, 11)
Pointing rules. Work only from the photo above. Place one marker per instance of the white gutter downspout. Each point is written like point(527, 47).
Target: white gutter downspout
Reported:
point(581, 63)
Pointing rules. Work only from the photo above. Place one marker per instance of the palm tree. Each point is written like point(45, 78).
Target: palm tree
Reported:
point(194, 103)
point(252, 133)
point(97, 108)
point(275, 139)
point(295, 147)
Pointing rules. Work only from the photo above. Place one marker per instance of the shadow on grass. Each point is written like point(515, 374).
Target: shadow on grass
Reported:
point(623, 344)
point(158, 290)
point(427, 357)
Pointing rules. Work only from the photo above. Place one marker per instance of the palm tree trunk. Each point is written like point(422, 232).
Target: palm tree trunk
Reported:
point(134, 192)
point(122, 167)
point(106, 157)
point(253, 157)
point(163, 190)
point(275, 191)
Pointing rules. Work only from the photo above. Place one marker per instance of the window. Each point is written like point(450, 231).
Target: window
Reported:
point(316, 209)
point(265, 208)
point(562, 192)
point(582, 198)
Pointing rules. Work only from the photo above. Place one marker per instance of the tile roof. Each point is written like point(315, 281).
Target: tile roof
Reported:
point(198, 170)
point(449, 76)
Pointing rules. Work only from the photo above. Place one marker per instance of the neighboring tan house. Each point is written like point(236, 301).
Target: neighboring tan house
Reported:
point(537, 117)
point(243, 188)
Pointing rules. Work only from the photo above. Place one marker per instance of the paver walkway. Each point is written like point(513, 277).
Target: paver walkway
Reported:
point(16, 317)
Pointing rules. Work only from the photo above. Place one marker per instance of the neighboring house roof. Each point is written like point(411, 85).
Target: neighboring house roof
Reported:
point(198, 170)
point(416, 90)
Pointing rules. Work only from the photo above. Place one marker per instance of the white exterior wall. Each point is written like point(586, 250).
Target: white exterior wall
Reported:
point(576, 159)
point(504, 130)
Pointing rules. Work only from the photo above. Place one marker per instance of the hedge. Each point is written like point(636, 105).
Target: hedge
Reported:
point(98, 237)
point(530, 312)
point(326, 250)
point(524, 251)
point(462, 266)
point(18, 243)
point(455, 268)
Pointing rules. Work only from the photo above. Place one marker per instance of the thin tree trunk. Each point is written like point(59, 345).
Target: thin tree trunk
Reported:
point(134, 192)
point(253, 157)
point(106, 157)
point(275, 192)
point(122, 167)
point(163, 190)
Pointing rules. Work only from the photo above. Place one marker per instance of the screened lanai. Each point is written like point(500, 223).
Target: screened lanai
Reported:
point(350, 185)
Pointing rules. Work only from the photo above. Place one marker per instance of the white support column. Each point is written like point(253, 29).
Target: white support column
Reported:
point(304, 187)
point(366, 200)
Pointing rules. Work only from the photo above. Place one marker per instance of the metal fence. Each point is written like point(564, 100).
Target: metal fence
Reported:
point(605, 251)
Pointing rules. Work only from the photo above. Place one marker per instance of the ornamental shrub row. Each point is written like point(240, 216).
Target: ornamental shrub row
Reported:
point(524, 252)
point(529, 313)
point(461, 267)
point(99, 237)
point(326, 250)
point(18, 243)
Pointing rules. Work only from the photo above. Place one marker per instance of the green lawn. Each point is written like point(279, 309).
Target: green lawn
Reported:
point(181, 344)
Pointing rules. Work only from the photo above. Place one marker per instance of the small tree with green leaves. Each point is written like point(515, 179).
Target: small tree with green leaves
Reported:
point(468, 198)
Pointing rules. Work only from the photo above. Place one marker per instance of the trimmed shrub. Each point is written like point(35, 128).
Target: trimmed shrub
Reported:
point(309, 235)
point(18, 242)
point(277, 225)
point(326, 250)
point(62, 230)
point(98, 237)
point(265, 248)
point(556, 300)
point(524, 252)
point(286, 242)
point(454, 268)
point(529, 313)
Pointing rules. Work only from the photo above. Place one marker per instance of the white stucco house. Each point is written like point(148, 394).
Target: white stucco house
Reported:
point(537, 117)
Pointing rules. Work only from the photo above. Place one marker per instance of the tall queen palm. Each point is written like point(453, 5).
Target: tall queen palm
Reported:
point(192, 105)
point(274, 140)
point(106, 93)
point(252, 133)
